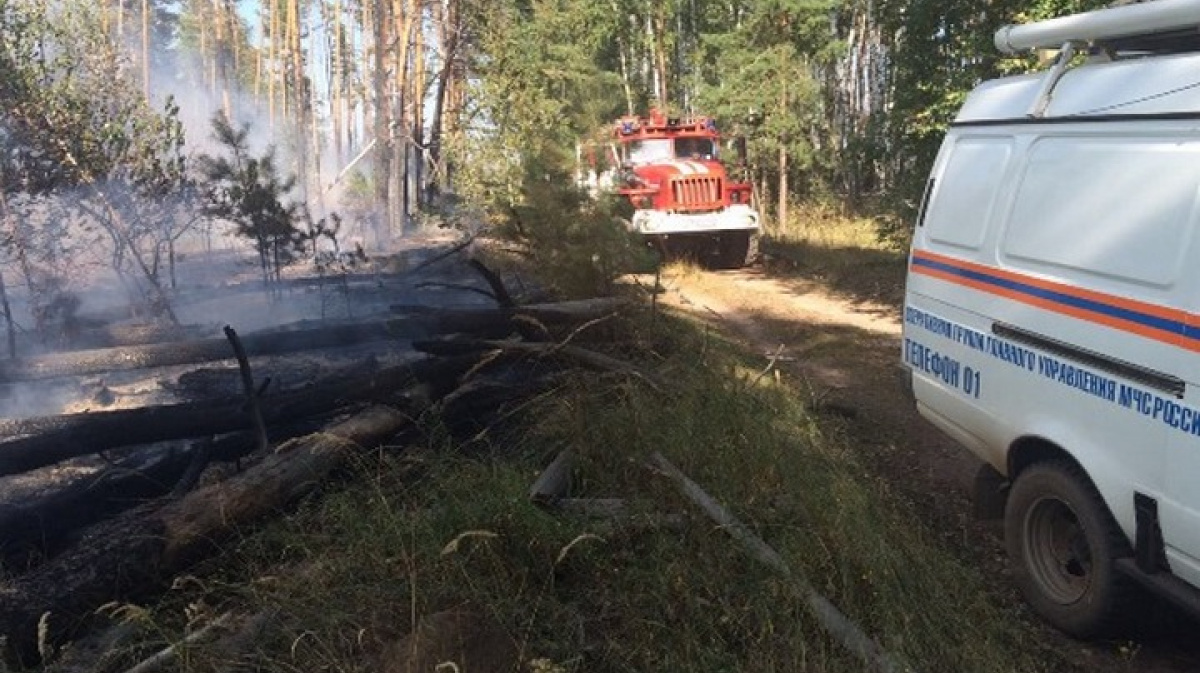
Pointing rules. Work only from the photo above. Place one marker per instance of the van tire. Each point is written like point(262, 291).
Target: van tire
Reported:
point(1063, 545)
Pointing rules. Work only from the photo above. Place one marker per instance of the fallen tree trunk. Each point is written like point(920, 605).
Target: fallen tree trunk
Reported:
point(38, 442)
point(102, 360)
point(37, 526)
point(482, 322)
point(129, 557)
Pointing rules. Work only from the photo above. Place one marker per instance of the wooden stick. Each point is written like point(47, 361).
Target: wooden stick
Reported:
point(831, 619)
point(455, 249)
point(252, 406)
point(163, 657)
point(555, 481)
point(503, 298)
point(582, 356)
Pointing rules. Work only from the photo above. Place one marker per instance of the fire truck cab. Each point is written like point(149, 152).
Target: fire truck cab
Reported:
point(683, 196)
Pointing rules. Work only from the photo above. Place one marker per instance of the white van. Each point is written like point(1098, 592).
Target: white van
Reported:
point(1052, 309)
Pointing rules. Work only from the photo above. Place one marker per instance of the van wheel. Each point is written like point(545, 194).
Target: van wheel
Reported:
point(1062, 544)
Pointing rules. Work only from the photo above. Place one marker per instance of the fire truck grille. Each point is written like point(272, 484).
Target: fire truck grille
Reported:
point(697, 193)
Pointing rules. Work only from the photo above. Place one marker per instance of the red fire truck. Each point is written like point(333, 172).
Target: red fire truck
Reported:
point(682, 194)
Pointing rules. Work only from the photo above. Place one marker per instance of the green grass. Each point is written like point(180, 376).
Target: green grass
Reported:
point(428, 528)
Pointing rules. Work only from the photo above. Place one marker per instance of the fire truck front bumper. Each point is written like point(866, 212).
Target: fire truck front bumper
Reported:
point(657, 222)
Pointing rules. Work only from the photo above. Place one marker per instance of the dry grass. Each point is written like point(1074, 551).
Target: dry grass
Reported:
point(430, 528)
point(823, 226)
point(843, 253)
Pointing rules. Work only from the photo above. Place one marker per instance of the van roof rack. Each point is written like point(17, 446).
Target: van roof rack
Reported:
point(1157, 26)
point(1166, 42)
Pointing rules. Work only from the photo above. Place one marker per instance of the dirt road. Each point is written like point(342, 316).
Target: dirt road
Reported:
point(843, 349)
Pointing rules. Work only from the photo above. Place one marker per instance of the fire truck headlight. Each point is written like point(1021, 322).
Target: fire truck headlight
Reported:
point(735, 197)
point(645, 203)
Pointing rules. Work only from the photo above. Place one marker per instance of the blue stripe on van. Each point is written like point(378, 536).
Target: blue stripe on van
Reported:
point(1156, 322)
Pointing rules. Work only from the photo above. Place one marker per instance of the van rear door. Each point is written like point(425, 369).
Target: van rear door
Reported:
point(1179, 504)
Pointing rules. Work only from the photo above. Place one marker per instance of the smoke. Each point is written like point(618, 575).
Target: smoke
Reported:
point(64, 249)
point(25, 400)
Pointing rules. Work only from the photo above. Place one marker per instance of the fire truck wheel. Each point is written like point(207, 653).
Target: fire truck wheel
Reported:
point(1062, 544)
point(737, 249)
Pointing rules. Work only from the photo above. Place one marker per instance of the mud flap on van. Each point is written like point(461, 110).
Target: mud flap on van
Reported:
point(1149, 551)
point(1148, 565)
point(990, 494)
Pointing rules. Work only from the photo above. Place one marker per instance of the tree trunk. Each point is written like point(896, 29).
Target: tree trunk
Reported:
point(782, 208)
point(658, 45)
point(448, 17)
point(300, 100)
point(416, 166)
point(381, 109)
point(272, 38)
point(9, 323)
point(404, 18)
point(626, 79)
point(146, 48)
point(337, 84)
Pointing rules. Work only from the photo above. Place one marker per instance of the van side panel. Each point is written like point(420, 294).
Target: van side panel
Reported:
point(1062, 308)
point(970, 174)
point(1110, 213)
point(958, 219)
point(1054, 285)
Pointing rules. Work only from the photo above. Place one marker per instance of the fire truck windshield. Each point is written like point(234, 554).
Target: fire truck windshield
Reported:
point(665, 149)
point(695, 148)
point(647, 151)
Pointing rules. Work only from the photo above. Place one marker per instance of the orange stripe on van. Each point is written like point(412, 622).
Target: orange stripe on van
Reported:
point(1152, 321)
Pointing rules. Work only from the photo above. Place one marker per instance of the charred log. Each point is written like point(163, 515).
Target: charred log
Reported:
point(125, 335)
point(102, 360)
point(485, 323)
point(129, 557)
point(484, 406)
point(575, 311)
point(42, 525)
point(39, 527)
point(37, 442)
